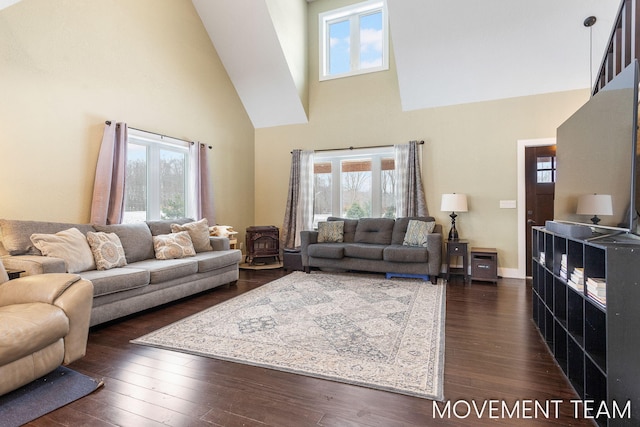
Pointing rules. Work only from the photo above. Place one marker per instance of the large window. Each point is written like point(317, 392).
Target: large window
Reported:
point(354, 185)
point(354, 40)
point(157, 171)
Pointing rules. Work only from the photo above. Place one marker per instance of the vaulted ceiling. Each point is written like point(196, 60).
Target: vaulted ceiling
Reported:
point(446, 52)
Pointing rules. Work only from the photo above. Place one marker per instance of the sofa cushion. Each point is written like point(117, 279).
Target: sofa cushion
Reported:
point(374, 230)
point(163, 226)
point(418, 232)
point(349, 228)
point(399, 253)
point(173, 245)
point(16, 234)
point(400, 227)
point(208, 261)
point(364, 251)
point(116, 280)
point(199, 233)
point(135, 238)
point(107, 250)
point(330, 231)
point(164, 270)
point(33, 325)
point(327, 250)
point(70, 245)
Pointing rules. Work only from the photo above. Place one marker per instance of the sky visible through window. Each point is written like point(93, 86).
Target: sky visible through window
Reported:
point(370, 44)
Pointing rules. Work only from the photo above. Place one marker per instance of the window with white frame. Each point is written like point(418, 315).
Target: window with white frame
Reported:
point(354, 40)
point(157, 176)
point(352, 184)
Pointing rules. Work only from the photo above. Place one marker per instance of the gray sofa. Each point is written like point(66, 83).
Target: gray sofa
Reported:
point(375, 245)
point(142, 283)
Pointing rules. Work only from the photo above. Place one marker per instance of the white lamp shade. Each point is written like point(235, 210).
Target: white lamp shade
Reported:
point(454, 203)
point(595, 204)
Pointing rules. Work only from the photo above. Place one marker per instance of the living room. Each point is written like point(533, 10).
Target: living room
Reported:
point(67, 67)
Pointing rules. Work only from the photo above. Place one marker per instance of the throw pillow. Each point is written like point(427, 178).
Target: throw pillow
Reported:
point(417, 232)
point(174, 245)
point(107, 250)
point(70, 245)
point(330, 231)
point(199, 233)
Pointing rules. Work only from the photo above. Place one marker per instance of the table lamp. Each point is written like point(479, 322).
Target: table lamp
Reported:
point(595, 204)
point(453, 203)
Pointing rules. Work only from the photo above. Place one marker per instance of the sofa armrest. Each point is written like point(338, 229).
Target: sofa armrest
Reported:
point(69, 292)
point(34, 264)
point(219, 243)
point(307, 237)
point(434, 248)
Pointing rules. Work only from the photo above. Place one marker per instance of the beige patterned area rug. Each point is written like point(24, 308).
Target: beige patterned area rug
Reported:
point(353, 328)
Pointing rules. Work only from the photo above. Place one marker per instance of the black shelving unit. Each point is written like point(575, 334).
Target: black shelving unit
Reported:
point(597, 347)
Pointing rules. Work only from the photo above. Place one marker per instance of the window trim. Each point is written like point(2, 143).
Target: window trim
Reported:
point(353, 12)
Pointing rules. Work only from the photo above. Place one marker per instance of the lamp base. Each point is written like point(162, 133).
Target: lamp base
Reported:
point(453, 233)
point(595, 220)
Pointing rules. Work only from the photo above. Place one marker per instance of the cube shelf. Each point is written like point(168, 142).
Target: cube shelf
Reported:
point(596, 345)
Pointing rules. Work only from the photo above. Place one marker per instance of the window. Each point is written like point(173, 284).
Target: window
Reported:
point(352, 185)
point(546, 169)
point(157, 175)
point(354, 40)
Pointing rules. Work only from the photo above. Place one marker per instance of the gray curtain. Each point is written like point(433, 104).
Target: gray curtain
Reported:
point(107, 205)
point(202, 184)
point(299, 210)
point(410, 199)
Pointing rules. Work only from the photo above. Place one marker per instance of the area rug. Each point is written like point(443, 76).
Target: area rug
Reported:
point(358, 329)
point(44, 395)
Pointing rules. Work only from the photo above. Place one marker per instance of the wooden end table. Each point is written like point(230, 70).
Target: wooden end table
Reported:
point(457, 248)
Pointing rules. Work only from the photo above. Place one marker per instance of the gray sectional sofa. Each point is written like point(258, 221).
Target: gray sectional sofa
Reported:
point(375, 245)
point(142, 283)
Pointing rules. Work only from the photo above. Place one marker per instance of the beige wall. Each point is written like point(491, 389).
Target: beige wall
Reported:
point(66, 67)
point(468, 148)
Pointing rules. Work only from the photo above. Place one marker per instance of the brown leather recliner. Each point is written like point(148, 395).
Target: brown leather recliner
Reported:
point(44, 323)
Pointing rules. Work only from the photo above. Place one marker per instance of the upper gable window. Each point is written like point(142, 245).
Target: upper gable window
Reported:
point(354, 40)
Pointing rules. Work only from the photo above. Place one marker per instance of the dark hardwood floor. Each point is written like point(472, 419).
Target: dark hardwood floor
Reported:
point(493, 353)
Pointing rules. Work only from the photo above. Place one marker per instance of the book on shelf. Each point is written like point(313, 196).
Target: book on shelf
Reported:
point(602, 302)
point(597, 287)
point(563, 267)
point(576, 279)
point(542, 257)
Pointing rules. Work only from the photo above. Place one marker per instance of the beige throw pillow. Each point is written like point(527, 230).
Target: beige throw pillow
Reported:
point(70, 245)
point(107, 250)
point(417, 232)
point(330, 232)
point(174, 245)
point(199, 233)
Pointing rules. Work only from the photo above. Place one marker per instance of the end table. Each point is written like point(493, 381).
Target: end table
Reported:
point(458, 248)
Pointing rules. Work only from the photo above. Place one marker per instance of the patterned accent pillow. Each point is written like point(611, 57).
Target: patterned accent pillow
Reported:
point(199, 233)
point(417, 232)
point(107, 250)
point(330, 231)
point(70, 245)
point(174, 245)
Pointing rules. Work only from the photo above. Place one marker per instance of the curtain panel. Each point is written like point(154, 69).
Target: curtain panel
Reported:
point(201, 184)
point(107, 205)
point(410, 198)
point(299, 210)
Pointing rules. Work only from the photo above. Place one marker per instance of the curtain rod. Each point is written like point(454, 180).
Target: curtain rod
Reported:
point(108, 122)
point(358, 148)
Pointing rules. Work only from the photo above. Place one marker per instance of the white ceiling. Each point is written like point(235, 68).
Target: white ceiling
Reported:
point(446, 52)
point(455, 52)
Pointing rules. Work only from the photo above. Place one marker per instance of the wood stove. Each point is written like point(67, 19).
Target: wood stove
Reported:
point(262, 241)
